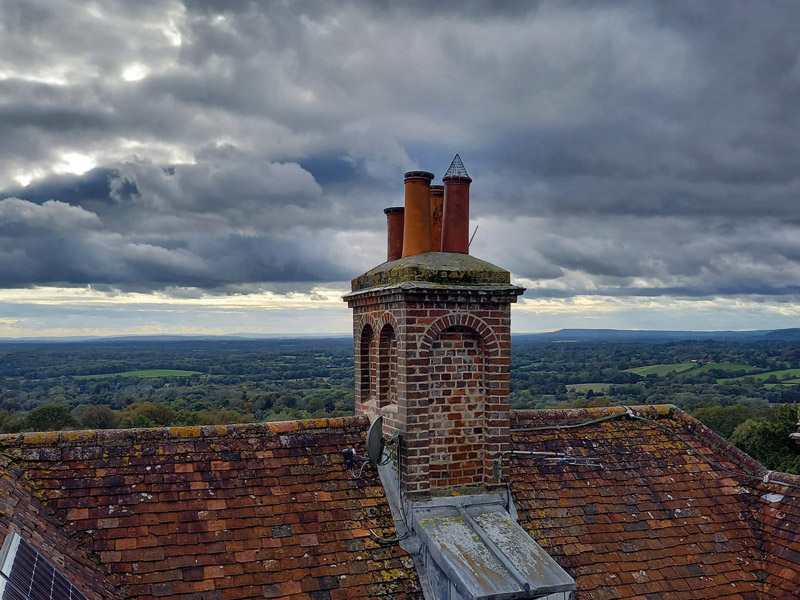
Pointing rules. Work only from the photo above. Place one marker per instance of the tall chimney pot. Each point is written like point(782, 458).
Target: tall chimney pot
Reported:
point(417, 219)
point(437, 209)
point(394, 226)
point(455, 221)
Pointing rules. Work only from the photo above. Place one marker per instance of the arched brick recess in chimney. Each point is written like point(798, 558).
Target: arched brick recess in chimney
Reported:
point(456, 409)
point(366, 364)
point(485, 332)
point(461, 353)
point(387, 367)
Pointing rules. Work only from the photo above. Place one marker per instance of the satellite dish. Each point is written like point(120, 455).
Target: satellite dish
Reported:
point(375, 441)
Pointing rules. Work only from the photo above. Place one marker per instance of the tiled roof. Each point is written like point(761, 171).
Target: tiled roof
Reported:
point(21, 511)
point(222, 513)
point(655, 521)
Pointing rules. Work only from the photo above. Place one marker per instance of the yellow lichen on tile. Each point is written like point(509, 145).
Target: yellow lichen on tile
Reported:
point(186, 432)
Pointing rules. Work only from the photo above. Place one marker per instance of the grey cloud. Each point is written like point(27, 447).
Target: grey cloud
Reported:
point(20, 217)
point(225, 220)
point(658, 256)
point(632, 146)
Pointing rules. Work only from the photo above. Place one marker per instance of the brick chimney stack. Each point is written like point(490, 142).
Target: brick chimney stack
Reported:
point(432, 336)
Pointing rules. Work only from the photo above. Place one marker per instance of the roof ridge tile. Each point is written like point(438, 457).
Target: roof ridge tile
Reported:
point(153, 434)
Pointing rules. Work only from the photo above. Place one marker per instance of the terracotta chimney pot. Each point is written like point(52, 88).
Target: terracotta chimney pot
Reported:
point(455, 221)
point(394, 225)
point(417, 221)
point(437, 208)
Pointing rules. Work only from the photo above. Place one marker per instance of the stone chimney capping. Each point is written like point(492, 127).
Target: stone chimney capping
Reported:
point(417, 220)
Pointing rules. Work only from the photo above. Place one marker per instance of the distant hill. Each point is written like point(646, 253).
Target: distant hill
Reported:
point(630, 335)
point(234, 337)
point(562, 335)
point(784, 335)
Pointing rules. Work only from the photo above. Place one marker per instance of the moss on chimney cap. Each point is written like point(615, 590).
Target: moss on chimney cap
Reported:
point(448, 269)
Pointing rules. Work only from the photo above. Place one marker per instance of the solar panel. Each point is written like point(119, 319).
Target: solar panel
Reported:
point(27, 575)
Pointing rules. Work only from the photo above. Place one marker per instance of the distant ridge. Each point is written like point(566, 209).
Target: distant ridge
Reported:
point(788, 335)
point(562, 335)
point(633, 335)
point(234, 337)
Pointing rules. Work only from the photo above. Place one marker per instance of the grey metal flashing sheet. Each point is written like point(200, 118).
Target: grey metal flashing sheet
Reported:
point(463, 556)
point(536, 566)
point(486, 554)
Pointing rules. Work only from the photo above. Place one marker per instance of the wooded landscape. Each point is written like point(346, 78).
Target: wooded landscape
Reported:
point(745, 390)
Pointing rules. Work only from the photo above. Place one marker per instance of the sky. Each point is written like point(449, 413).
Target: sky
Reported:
point(217, 167)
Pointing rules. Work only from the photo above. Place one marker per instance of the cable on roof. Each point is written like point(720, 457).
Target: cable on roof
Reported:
point(573, 425)
point(764, 479)
point(355, 475)
point(392, 454)
point(383, 540)
point(629, 413)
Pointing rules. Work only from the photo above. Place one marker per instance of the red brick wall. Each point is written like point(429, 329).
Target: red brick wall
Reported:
point(418, 318)
point(456, 418)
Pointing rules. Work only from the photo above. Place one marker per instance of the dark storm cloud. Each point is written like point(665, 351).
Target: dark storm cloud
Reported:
point(227, 219)
point(617, 147)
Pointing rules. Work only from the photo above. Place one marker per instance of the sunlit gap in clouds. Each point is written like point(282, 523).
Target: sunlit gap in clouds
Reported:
point(75, 163)
point(317, 297)
point(72, 311)
point(55, 311)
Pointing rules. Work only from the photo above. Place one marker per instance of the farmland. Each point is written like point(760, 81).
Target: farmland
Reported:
point(662, 369)
point(721, 366)
point(782, 376)
point(582, 388)
point(143, 374)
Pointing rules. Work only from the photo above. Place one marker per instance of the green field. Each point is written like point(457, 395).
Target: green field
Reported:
point(793, 373)
point(582, 388)
point(662, 369)
point(722, 367)
point(529, 367)
point(146, 374)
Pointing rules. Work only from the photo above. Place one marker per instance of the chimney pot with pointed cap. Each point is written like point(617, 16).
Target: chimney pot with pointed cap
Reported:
point(417, 219)
point(455, 221)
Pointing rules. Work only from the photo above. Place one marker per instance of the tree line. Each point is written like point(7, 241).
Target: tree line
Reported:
point(245, 381)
